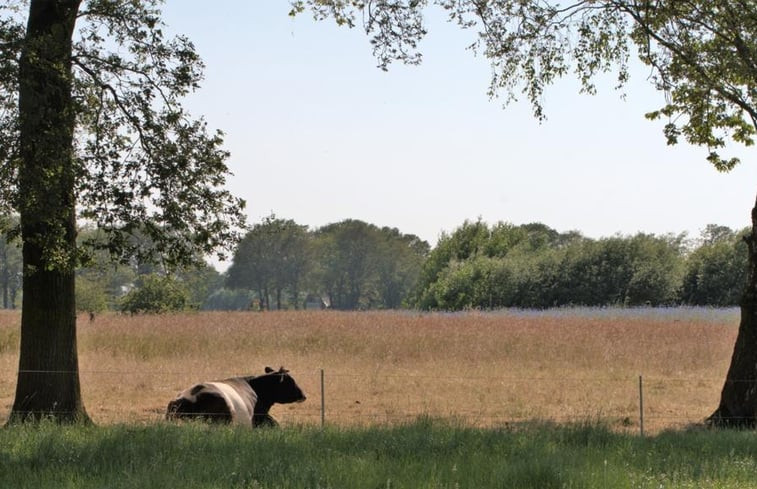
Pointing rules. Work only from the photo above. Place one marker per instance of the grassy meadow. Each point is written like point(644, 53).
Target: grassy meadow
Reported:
point(479, 369)
point(515, 399)
point(426, 453)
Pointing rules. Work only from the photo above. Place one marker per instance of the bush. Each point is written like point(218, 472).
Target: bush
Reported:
point(156, 294)
point(90, 296)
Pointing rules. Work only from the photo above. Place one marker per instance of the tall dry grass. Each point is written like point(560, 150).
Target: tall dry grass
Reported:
point(483, 368)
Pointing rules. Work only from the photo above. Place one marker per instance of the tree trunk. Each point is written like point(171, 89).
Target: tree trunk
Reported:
point(48, 376)
point(14, 291)
point(296, 295)
point(738, 399)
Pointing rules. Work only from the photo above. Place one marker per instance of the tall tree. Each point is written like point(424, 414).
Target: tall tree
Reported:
point(346, 257)
point(359, 265)
point(273, 257)
point(702, 54)
point(716, 270)
point(90, 92)
point(399, 258)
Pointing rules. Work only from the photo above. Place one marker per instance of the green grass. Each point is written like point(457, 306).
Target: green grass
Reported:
point(423, 454)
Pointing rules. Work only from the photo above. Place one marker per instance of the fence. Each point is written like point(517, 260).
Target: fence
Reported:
point(634, 404)
point(631, 404)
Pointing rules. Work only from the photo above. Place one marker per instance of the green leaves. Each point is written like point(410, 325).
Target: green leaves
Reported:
point(534, 266)
point(352, 263)
point(702, 54)
point(147, 161)
point(156, 294)
point(141, 164)
point(274, 255)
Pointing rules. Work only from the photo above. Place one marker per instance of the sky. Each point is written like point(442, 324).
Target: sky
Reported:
point(318, 134)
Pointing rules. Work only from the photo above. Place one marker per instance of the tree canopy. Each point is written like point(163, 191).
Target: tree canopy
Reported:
point(141, 163)
point(350, 264)
point(702, 54)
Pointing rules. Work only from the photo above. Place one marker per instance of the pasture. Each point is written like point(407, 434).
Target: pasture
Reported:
point(480, 369)
point(425, 454)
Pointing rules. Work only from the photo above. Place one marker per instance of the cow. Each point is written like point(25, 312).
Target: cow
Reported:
point(240, 400)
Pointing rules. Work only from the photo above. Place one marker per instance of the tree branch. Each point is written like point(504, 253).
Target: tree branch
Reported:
point(133, 120)
point(712, 82)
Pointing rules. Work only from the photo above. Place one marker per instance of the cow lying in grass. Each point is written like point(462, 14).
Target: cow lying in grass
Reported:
point(240, 400)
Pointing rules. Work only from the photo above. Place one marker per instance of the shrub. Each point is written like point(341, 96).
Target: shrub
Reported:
point(156, 294)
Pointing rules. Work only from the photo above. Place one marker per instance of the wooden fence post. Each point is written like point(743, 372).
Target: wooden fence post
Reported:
point(323, 400)
point(641, 406)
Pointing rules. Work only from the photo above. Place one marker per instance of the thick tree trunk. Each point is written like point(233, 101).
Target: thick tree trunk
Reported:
point(738, 400)
point(48, 377)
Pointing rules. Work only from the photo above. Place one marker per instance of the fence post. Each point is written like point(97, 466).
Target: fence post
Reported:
point(641, 406)
point(323, 400)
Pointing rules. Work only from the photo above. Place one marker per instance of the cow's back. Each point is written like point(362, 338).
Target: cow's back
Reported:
point(239, 397)
point(231, 400)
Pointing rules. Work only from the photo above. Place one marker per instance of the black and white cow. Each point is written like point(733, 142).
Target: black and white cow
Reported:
point(239, 400)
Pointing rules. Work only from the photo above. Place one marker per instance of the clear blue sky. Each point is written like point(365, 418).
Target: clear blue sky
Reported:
point(318, 134)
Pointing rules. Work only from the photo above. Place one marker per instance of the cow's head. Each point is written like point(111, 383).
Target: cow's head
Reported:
point(285, 390)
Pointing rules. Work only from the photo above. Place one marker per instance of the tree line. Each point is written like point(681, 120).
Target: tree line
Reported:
point(351, 265)
point(346, 265)
point(534, 266)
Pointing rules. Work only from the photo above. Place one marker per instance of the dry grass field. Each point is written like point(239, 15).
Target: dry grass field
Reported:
point(382, 367)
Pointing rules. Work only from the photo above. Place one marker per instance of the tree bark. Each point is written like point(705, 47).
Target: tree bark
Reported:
point(48, 377)
point(738, 399)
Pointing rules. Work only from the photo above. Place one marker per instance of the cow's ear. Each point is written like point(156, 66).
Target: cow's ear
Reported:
point(282, 370)
point(268, 370)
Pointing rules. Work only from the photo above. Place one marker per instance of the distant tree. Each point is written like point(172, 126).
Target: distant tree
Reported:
point(716, 270)
point(251, 265)
point(502, 238)
point(346, 266)
point(272, 258)
point(657, 270)
point(700, 53)
point(539, 235)
point(455, 287)
point(359, 265)
point(536, 277)
point(533, 265)
point(155, 294)
point(464, 242)
point(200, 281)
point(713, 233)
point(518, 255)
point(398, 259)
point(643, 269)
